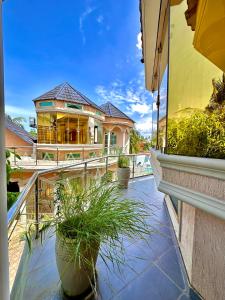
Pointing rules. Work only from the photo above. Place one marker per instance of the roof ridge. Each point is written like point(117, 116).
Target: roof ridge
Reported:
point(62, 86)
point(88, 100)
point(110, 112)
point(108, 103)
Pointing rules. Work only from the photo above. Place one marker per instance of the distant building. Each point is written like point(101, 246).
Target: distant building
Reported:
point(69, 125)
point(18, 138)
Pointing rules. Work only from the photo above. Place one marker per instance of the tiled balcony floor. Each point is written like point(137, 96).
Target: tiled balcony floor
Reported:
point(153, 271)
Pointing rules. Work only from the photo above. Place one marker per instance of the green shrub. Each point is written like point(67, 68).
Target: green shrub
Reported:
point(123, 161)
point(200, 134)
point(108, 176)
point(11, 198)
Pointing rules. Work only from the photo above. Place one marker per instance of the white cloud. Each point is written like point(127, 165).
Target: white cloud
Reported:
point(154, 106)
point(139, 41)
point(100, 19)
point(145, 126)
point(15, 111)
point(132, 94)
point(141, 108)
point(83, 16)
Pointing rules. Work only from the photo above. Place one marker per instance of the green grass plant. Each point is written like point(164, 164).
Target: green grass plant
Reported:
point(123, 161)
point(98, 215)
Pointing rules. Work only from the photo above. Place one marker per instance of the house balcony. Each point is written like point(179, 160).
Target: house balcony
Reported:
point(153, 268)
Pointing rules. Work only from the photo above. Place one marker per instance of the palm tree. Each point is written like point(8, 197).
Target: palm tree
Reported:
point(217, 100)
point(135, 139)
point(18, 120)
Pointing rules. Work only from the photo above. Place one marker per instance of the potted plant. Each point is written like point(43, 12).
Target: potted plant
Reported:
point(123, 171)
point(85, 220)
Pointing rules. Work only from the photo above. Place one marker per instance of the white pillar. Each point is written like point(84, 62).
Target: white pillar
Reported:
point(124, 138)
point(4, 258)
point(128, 145)
point(108, 143)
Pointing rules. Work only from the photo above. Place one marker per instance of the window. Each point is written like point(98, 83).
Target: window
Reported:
point(96, 134)
point(113, 139)
point(46, 128)
point(46, 103)
point(62, 128)
point(75, 106)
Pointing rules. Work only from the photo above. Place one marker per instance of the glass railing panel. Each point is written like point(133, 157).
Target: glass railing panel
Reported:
point(142, 165)
point(16, 233)
point(196, 103)
point(22, 156)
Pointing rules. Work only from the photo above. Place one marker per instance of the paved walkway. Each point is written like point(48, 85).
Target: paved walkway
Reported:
point(153, 271)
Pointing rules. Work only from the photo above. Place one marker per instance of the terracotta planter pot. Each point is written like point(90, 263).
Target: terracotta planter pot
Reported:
point(76, 279)
point(123, 175)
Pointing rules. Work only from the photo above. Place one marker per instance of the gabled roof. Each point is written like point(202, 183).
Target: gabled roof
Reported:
point(19, 131)
point(112, 111)
point(66, 92)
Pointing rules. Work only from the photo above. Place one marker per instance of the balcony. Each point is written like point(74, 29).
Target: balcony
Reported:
point(153, 269)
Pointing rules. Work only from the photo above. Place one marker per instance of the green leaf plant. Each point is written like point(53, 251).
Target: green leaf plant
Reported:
point(97, 216)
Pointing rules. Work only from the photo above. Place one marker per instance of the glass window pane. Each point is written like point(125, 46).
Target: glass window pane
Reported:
point(195, 119)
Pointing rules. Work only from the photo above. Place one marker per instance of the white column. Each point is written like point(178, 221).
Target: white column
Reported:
point(124, 140)
point(4, 258)
point(108, 143)
point(128, 145)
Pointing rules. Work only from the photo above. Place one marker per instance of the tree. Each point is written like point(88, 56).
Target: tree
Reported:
point(19, 121)
point(33, 133)
point(217, 100)
point(135, 140)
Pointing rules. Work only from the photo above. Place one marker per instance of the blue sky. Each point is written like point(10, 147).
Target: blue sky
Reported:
point(92, 44)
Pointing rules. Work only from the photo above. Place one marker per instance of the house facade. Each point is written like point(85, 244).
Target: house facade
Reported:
point(71, 126)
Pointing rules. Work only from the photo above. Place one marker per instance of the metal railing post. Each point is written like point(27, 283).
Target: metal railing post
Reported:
point(36, 154)
point(85, 175)
point(133, 165)
point(106, 164)
point(83, 152)
point(14, 152)
point(57, 156)
point(37, 208)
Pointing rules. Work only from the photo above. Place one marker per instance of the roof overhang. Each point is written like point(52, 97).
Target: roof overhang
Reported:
point(154, 20)
point(210, 31)
point(204, 17)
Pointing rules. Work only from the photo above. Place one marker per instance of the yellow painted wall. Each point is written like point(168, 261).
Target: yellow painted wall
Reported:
point(190, 73)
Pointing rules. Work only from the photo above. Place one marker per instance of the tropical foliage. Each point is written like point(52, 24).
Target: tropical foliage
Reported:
point(138, 142)
point(123, 161)
point(18, 120)
point(94, 216)
point(11, 196)
point(217, 100)
point(135, 139)
point(201, 133)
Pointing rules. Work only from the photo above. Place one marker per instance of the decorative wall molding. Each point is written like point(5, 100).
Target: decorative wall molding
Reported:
point(196, 165)
point(209, 204)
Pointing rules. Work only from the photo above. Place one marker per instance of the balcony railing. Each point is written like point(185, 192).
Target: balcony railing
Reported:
point(52, 155)
point(36, 201)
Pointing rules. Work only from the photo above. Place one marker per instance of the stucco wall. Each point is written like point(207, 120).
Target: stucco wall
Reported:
point(208, 264)
point(13, 140)
point(187, 236)
point(202, 234)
